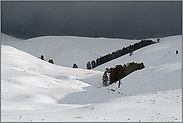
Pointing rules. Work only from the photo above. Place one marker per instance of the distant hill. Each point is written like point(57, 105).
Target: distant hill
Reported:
point(67, 50)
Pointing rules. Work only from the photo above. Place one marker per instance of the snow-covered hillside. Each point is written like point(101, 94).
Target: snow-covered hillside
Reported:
point(67, 50)
point(35, 90)
point(7, 38)
point(163, 67)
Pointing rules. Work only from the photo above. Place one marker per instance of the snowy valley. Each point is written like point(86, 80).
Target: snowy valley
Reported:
point(33, 90)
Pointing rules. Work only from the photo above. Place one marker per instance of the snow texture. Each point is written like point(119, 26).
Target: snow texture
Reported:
point(33, 90)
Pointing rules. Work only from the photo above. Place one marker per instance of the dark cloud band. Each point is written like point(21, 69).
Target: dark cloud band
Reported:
point(94, 19)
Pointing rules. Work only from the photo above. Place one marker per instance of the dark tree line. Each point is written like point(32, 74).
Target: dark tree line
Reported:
point(119, 53)
point(119, 72)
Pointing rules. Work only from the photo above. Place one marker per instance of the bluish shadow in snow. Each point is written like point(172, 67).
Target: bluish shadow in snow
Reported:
point(95, 80)
point(83, 97)
point(63, 77)
point(130, 87)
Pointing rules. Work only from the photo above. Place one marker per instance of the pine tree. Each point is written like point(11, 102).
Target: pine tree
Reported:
point(50, 61)
point(105, 79)
point(97, 62)
point(93, 64)
point(119, 70)
point(75, 66)
point(176, 51)
point(42, 57)
point(88, 66)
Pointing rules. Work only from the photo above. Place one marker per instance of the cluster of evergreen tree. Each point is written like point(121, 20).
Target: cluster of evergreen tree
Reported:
point(119, 72)
point(50, 60)
point(118, 53)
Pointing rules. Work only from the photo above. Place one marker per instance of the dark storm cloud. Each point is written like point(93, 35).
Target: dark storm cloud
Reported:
point(94, 19)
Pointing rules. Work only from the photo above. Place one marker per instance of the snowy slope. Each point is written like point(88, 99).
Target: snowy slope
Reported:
point(162, 67)
point(35, 90)
point(67, 50)
point(7, 38)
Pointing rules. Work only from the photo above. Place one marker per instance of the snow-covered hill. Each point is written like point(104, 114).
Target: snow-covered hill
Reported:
point(67, 50)
point(163, 67)
point(35, 90)
point(7, 38)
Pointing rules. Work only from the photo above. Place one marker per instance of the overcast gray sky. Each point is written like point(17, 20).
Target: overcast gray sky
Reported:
point(120, 19)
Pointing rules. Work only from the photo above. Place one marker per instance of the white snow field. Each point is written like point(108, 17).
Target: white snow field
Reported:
point(33, 90)
point(67, 50)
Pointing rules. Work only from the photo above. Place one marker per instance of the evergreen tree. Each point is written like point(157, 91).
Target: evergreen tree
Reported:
point(116, 73)
point(42, 57)
point(88, 66)
point(176, 51)
point(75, 66)
point(51, 61)
point(120, 52)
point(105, 79)
point(119, 70)
point(93, 64)
point(97, 62)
